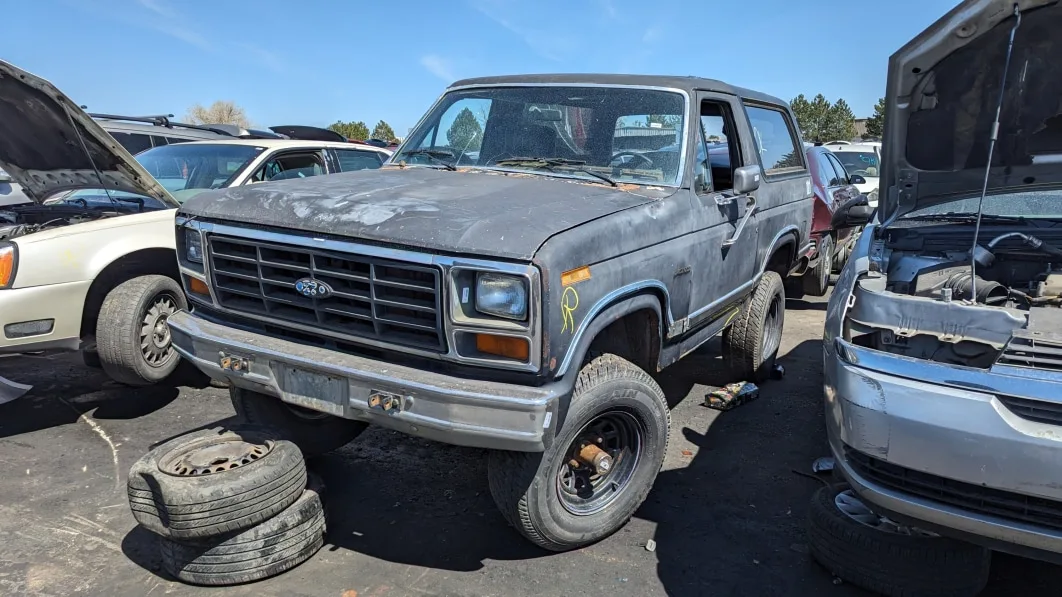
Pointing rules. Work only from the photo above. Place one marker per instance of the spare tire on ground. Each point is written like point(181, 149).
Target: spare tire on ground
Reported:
point(872, 552)
point(278, 544)
point(214, 482)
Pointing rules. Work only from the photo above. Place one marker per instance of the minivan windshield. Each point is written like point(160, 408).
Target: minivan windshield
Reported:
point(601, 134)
point(863, 163)
point(187, 169)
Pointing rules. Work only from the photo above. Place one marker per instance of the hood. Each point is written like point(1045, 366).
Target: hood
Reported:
point(479, 213)
point(44, 142)
point(941, 97)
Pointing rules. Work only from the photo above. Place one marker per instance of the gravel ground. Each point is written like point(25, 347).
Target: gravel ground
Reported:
point(410, 517)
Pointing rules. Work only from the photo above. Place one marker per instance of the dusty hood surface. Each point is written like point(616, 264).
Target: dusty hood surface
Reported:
point(478, 213)
point(943, 87)
point(43, 141)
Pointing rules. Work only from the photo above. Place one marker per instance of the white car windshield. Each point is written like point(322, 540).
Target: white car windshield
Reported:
point(863, 163)
point(621, 134)
point(187, 169)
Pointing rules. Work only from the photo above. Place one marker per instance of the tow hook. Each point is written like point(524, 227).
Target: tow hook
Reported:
point(234, 363)
point(592, 455)
point(385, 401)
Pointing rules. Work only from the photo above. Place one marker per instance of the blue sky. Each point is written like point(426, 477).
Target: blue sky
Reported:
point(315, 61)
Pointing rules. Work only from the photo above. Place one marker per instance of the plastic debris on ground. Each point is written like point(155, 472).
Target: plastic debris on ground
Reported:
point(10, 390)
point(650, 545)
point(778, 372)
point(823, 465)
point(732, 395)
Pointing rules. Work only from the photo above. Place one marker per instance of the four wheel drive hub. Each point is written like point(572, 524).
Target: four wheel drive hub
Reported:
point(214, 456)
point(594, 457)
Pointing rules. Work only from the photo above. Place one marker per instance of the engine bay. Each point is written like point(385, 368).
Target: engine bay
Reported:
point(17, 221)
point(929, 296)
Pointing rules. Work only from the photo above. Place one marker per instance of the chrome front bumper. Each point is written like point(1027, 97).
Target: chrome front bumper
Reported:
point(432, 405)
point(945, 448)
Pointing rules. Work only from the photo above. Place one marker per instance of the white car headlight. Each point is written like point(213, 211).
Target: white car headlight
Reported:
point(193, 245)
point(501, 295)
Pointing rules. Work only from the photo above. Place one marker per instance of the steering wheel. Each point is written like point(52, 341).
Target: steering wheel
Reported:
point(648, 162)
point(859, 172)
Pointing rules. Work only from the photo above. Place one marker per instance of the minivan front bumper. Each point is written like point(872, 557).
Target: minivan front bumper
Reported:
point(432, 405)
point(942, 456)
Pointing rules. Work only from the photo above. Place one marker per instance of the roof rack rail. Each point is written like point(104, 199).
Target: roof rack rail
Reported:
point(161, 120)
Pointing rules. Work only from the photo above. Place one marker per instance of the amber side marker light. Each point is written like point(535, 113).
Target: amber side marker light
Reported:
point(505, 346)
point(576, 275)
point(198, 286)
point(7, 265)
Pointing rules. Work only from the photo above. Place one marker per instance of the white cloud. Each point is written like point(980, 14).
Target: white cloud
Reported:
point(546, 41)
point(168, 21)
point(438, 66)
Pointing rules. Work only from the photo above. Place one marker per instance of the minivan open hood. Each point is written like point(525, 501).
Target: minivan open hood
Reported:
point(42, 150)
point(941, 97)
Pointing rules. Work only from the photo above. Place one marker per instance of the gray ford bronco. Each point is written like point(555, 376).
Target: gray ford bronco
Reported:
point(511, 278)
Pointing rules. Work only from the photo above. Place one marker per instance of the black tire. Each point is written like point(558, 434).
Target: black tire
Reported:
point(178, 499)
point(313, 432)
point(840, 256)
point(750, 345)
point(527, 486)
point(890, 563)
point(120, 330)
point(817, 280)
point(278, 544)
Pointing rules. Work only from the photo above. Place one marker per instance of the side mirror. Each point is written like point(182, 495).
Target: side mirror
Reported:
point(853, 214)
point(746, 179)
point(856, 179)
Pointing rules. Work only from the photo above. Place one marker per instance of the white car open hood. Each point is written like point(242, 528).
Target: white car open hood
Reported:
point(943, 88)
point(48, 144)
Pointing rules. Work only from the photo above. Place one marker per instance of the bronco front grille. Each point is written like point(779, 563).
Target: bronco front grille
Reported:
point(967, 496)
point(373, 298)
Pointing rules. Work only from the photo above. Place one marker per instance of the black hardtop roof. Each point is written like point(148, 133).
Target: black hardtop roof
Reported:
point(689, 84)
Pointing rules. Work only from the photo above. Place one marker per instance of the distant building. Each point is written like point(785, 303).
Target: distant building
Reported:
point(860, 127)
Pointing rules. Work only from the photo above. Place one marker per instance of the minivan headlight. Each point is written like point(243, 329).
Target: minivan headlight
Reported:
point(501, 295)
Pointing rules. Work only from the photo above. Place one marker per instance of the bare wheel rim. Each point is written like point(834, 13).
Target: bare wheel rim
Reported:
point(827, 262)
point(772, 327)
point(155, 344)
point(851, 506)
point(581, 488)
point(213, 455)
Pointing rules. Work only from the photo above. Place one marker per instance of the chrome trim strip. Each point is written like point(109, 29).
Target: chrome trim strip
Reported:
point(725, 298)
point(532, 330)
point(600, 305)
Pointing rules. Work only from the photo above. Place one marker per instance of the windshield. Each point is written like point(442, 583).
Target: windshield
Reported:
point(187, 169)
point(1038, 204)
point(863, 163)
point(618, 133)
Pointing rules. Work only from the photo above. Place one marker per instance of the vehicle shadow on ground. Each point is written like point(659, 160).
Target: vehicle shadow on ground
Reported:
point(802, 305)
point(64, 389)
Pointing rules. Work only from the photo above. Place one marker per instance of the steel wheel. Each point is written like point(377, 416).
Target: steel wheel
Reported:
point(155, 345)
point(599, 463)
point(851, 506)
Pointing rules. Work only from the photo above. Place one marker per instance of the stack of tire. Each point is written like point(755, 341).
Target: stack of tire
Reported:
point(229, 506)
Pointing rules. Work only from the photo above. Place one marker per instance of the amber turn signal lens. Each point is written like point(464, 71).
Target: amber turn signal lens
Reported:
point(7, 265)
point(198, 286)
point(505, 346)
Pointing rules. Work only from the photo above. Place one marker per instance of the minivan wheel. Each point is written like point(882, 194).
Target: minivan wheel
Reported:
point(751, 343)
point(870, 551)
point(599, 468)
point(132, 335)
point(313, 432)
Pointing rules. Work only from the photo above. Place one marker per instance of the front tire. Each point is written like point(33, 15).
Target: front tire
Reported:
point(751, 343)
point(313, 432)
point(559, 502)
point(132, 337)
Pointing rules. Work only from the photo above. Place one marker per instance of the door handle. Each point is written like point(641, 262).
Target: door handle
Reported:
point(749, 210)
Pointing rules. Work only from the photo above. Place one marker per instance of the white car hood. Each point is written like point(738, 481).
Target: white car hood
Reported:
point(943, 87)
point(50, 145)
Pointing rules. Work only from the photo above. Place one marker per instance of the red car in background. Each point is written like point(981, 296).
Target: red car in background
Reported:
point(840, 213)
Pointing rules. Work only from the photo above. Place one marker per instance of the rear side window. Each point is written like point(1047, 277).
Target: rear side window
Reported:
point(172, 140)
point(775, 140)
point(134, 143)
point(842, 174)
point(353, 159)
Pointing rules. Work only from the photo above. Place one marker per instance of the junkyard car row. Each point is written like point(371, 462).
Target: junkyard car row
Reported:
point(516, 285)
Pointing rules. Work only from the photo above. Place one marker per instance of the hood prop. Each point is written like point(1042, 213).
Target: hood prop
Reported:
point(977, 252)
point(88, 154)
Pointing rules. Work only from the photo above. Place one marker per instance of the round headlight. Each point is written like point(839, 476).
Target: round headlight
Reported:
point(501, 295)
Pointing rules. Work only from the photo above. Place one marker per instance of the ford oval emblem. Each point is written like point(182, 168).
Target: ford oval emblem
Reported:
point(310, 288)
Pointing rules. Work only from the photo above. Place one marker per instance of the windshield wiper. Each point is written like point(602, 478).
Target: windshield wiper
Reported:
point(551, 163)
point(435, 155)
point(968, 217)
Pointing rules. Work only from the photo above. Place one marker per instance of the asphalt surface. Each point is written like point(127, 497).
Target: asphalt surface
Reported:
point(410, 517)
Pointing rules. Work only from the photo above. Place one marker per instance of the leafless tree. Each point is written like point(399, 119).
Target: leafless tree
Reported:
point(220, 112)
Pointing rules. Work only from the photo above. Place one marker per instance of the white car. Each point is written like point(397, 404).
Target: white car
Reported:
point(863, 159)
point(82, 268)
